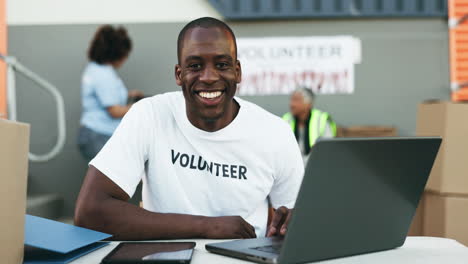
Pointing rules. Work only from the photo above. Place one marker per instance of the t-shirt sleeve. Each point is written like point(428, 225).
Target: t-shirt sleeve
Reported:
point(289, 172)
point(123, 157)
point(107, 87)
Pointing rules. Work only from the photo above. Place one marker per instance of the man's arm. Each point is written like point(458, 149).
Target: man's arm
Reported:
point(103, 206)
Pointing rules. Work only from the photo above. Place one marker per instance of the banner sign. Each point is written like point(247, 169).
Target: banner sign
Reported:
point(279, 65)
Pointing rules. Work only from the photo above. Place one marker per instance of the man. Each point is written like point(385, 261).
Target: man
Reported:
point(308, 123)
point(208, 161)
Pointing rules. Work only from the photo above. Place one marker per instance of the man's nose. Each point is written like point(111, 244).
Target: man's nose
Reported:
point(209, 75)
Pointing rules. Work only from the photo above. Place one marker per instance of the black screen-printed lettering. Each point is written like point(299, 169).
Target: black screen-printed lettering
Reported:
point(242, 172)
point(192, 161)
point(217, 168)
point(225, 170)
point(184, 160)
point(209, 167)
point(200, 163)
point(233, 171)
point(174, 157)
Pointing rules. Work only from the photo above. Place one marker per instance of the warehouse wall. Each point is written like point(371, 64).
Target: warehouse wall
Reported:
point(404, 61)
point(40, 12)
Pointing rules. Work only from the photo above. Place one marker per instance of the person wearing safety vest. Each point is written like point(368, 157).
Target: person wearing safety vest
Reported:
point(307, 122)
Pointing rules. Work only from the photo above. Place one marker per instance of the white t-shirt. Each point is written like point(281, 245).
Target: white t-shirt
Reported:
point(186, 170)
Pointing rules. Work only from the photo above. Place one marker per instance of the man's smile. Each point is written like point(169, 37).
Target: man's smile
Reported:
point(210, 98)
point(210, 95)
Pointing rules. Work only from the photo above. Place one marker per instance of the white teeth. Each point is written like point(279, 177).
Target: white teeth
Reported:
point(210, 95)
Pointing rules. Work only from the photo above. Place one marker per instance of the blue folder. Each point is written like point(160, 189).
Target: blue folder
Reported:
point(48, 241)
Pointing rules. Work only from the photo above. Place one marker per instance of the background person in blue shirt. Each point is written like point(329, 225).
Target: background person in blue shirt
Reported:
point(105, 99)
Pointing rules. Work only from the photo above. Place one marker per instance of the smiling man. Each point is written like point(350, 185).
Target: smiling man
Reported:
point(208, 160)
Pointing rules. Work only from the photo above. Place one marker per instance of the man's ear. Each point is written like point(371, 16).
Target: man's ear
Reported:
point(238, 71)
point(177, 73)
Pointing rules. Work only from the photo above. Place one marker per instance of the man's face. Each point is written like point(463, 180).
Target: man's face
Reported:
point(208, 72)
point(297, 104)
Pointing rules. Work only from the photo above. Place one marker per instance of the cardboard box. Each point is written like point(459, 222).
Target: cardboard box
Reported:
point(446, 216)
point(449, 174)
point(367, 131)
point(416, 228)
point(14, 148)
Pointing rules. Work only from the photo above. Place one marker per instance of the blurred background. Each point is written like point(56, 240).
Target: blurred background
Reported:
point(404, 50)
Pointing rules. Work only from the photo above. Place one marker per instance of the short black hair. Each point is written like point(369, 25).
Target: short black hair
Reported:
point(109, 44)
point(203, 22)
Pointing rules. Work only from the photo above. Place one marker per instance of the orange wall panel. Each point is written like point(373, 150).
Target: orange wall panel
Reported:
point(3, 50)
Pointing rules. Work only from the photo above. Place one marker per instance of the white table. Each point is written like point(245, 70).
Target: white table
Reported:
point(416, 250)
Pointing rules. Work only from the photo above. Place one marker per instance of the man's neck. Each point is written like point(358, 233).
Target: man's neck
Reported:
point(217, 124)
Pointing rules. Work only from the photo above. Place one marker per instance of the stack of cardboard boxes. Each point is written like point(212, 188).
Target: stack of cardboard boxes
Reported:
point(444, 210)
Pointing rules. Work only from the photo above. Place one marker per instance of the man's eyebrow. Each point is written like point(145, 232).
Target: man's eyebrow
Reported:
point(189, 58)
point(217, 57)
point(224, 56)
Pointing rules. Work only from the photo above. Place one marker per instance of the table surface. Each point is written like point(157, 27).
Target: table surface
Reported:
point(423, 250)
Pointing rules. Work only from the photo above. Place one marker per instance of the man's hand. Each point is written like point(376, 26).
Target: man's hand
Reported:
point(279, 222)
point(228, 227)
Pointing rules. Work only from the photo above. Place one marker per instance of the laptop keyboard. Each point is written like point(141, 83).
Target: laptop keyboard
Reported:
point(270, 248)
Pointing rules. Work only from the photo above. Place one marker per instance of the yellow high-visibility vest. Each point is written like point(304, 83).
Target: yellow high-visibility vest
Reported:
point(317, 124)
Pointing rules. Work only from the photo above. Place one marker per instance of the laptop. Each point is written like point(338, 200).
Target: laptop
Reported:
point(357, 196)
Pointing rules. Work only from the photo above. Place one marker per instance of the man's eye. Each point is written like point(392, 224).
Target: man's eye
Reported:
point(195, 66)
point(222, 65)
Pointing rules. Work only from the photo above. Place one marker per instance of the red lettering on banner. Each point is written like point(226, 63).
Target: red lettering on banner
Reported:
point(269, 82)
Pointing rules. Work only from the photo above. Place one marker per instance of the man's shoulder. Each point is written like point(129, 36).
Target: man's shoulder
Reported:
point(264, 119)
point(159, 104)
point(169, 99)
point(271, 132)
